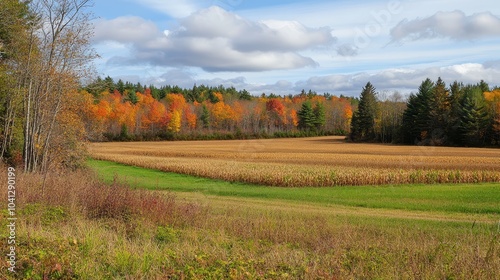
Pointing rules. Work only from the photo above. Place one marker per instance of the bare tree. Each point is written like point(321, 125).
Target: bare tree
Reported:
point(61, 35)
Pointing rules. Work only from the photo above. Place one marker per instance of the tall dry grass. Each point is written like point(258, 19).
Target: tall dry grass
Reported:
point(83, 194)
point(78, 228)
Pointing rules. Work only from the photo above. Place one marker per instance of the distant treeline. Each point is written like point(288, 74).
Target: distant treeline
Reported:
point(436, 115)
point(458, 115)
point(126, 111)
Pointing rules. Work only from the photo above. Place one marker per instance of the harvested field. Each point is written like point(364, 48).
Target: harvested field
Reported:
point(319, 161)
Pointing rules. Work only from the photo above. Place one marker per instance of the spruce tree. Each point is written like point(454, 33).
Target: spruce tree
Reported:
point(439, 114)
point(319, 115)
point(132, 97)
point(416, 118)
point(456, 97)
point(474, 118)
point(120, 86)
point(205, 117)
point(363, 120)
point(306, 116)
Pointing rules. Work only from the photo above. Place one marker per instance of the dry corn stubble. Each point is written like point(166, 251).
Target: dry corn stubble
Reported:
point(319, 161)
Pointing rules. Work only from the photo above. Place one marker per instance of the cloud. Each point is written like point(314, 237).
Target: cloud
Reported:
point(402, 79)
point(216, 40)
point(454, 25)
point(127, 29)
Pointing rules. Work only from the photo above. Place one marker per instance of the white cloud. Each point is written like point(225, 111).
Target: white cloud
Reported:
point(455, 25)
point(127, 29)
point(216, 40)
point(402, 79)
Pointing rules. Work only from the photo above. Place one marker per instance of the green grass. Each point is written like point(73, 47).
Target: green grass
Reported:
point(455, 198)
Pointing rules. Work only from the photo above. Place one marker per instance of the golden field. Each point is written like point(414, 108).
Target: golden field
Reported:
point(318, 161)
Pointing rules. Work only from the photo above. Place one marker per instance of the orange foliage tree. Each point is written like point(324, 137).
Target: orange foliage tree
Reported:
point(277, 112)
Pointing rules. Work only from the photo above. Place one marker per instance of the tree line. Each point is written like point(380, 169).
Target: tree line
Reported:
point(454, 115)
point(125, 111)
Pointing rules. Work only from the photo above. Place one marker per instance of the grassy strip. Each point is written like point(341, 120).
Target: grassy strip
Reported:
point(461, 198)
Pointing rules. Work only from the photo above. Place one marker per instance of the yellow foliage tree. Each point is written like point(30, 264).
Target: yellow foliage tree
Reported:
point(175, 122)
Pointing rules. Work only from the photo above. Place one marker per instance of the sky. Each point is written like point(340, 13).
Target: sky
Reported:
point(285, 46)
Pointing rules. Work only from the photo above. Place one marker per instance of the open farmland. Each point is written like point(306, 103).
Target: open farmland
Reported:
point(246, 231)
point(319, 161)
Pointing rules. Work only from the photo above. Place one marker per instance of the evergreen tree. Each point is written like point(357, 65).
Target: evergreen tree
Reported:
point(245, 95)
point(205, 117)
point(474, 118)
point(132, 97)
point(319, 115)
point(456, 97)
point(155, 92)
point(484, 86)
point(416, 117)
point(306, 116)
point(109, 84)
point(120, 86)
point(495, 128)
point(193, 95)
point(439, 114)
point(363, 120)
point(139, 88)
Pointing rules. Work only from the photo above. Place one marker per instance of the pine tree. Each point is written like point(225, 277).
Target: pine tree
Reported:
point(484, 86)
point(416, 118)
point(205, 117)
point(193, 95)
point(109, 84)
point(120, 86)
point(474, 119)
point(439, 114)
point(456, 96)
point(319, 115)
point(245, 95)
point(306, 116)
point(363, 120)
point(132, 97)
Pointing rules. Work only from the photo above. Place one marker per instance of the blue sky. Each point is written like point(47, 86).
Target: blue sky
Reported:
point(285, 46)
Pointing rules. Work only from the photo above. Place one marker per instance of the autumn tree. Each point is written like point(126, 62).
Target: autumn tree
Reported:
point(15, 19)
point(493, 100)
point(176, 105)
point(52, 54)
point(191, 118)
point(276, 112)
point(294, 118)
